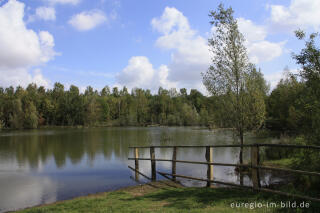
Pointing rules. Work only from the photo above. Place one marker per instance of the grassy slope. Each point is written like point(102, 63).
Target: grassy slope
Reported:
point(158, 197)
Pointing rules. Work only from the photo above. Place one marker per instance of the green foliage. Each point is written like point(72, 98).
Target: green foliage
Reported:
point(204, 117)
point(189, 114)
point(284, 105)
point(16, 118)
point(33, 107)
point(254, 109)
point(30, 116)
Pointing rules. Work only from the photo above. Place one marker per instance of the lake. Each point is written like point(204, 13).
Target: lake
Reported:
point(47, 165)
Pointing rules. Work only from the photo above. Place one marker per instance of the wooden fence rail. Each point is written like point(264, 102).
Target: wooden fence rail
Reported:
point(254, 165)
point(235, 165)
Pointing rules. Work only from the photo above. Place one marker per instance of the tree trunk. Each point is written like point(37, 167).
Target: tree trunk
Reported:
point(241, 156)
point(118, 109)
point(241, 148)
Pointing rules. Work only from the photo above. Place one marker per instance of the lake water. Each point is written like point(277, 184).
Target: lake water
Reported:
point(47, 165)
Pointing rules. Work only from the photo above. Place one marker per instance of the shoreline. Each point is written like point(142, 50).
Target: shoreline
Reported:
point(160, 183)
point(163, 196)
point(102, 126)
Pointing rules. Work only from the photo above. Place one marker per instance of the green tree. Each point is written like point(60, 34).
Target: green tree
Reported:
point(105, 91)
point(283, 108)
point(231, 74)
point(30, 115)
point(189, 115)
point(92, 109)
point(59, 104)
point(204, 117)
point(74, 106)
point(308, 107)
point(183, 92)
point(196, 99)
point(309, 60)
point(17, 117)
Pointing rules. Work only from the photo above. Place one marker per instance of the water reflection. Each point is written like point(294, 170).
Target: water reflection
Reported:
point(42, 166)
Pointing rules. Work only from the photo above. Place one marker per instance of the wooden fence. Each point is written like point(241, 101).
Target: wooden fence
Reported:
point(254, 165)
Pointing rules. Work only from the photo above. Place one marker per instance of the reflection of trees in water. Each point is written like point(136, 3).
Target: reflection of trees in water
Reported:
point(74, 144)
point(71, 144)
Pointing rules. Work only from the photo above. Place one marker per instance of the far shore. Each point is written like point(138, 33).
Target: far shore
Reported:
point(109, 125)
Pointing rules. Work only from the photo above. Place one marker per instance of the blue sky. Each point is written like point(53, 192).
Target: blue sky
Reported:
point(140, 43)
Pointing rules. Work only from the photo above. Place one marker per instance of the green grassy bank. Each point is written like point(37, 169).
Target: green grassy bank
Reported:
point(169, 197)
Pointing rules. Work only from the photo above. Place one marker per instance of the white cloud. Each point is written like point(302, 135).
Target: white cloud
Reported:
point(87, 20)
point(264, 51)
point(259, 49)
point(251, 31)
point(47, 45)
point(299, 14)
point(22, 77)
point(39, 79)
point(140, 73)
point(189, 57)
point(72, 2)
point(24, 47)
point(274, 78)
point(46, 13)
point(171, 20)
point(190, 52)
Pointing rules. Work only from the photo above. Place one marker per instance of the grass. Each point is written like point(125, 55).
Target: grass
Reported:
point(284, 163)
point(165, 197)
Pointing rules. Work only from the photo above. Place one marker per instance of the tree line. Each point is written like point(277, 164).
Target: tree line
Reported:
point(33, 107)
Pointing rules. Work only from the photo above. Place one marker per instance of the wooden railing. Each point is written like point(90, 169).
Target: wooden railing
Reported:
point(254, 165)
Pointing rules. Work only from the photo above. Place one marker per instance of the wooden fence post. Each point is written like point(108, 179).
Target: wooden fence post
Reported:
point(174, 164)
point(255, 162)
point(136, 162)
point(153, 164)
point(209, 151)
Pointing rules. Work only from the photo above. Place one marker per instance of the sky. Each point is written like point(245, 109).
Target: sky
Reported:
point(142, 43)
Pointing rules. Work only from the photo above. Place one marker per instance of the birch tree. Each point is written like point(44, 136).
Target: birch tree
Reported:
point(232, 76)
